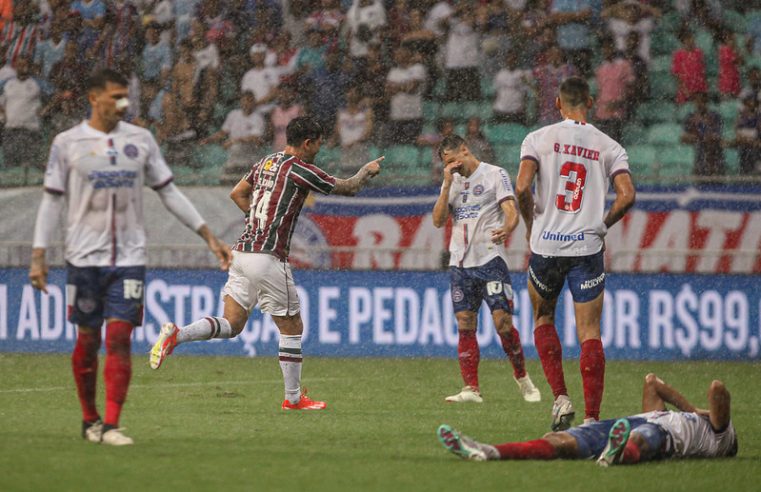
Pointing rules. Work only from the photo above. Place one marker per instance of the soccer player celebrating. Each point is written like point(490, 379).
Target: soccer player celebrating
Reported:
point(480, 199)
point(655, 434)
point(98, 169)
point(271, 195)
point(566, 223)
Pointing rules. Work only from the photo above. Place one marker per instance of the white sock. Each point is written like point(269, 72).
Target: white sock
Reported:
point(290, 363)
point(205, 329)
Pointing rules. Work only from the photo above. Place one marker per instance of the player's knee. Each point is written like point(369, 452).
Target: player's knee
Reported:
point(717, 389)
point(237, 326)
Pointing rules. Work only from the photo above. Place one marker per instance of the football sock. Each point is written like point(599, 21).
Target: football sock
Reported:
point(205, 329)
point(538, 449)
point(631, 453)
point(511, 344)
point(551, 355)
point(84, 364)
point(592, 362)
point(118, 369)
point(469, 356)
point(290, 363)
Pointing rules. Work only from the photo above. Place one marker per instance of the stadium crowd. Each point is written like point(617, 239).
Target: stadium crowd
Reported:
point(217, 81)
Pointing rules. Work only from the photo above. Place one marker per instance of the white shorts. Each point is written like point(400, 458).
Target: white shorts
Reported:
point(259, 278)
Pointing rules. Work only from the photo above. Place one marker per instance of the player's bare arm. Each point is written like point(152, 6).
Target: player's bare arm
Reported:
point(656, 394)
point(441, 207)
point(351, 186)
point(523, 182)
point(499, 236)
point(38, 270)
point(241, 195)
point(625, 197)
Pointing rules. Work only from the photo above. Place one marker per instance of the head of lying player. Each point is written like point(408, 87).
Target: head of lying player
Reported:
point(107, 95)
point(573, 100)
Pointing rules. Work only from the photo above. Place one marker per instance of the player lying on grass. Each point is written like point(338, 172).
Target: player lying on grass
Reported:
point(655, 434)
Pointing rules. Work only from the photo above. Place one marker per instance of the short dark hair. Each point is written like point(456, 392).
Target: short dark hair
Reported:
point(100, 78)
point(574, 91)
point(450, 142)
point(302, 128)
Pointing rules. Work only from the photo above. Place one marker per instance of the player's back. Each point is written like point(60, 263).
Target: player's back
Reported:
point(575, 163)
point(280, 184)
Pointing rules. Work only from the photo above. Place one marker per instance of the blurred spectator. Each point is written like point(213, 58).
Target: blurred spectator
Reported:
point(64, 111)
point(688, 65)
point(286, 109)
point(70, 72)
point(548, 77)
point(21, 103)
point(371, 77)
point(49, 51)
point(312, 56)
point(184, 11)
point(405, 84)
point(422, 43)
point(243, 135)
point(365, 21)
point(327, 19)
point(631, 16)
point(122, 35)
point(354, 127)
point(730, 64)
point(437, 17)
point(178, 107)
point(462, 57)
point(703, 130)
point(614, 78)
point(640, 87)
point(260, 79)
point(156, 65)
point(753, 86)
point(93, 15)
point(700, 13)
point(573, 20)
point(206, 83)
point(19, 37)
point(512, 86)
point(747, 133)
point(6, 12)
point(477, 142)
point(328, 86)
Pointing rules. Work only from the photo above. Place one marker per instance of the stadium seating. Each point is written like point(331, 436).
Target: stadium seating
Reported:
point(642, 159)
point(506, 133)
point(675, 160)
point(664, 133)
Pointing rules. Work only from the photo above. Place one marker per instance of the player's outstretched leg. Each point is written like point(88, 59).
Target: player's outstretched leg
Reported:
point(465, 447)
point(204, 329)
point(617, 439)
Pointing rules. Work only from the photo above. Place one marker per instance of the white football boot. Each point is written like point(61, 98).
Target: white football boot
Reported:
point(529, 392)
point(468, 394)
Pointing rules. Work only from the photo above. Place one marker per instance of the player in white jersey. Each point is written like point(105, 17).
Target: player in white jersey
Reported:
point(655, 434)
point(97, 171)
point(479, 198)
point(573, 163)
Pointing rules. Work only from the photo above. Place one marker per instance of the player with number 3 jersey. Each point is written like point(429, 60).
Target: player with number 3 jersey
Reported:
point(573, 163)
point(479, 197)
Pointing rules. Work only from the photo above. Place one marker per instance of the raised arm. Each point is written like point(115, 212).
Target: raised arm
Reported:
point(656, 394)
point(351, 186)
point(523, 182)
point(441, 207)
point(625, 197)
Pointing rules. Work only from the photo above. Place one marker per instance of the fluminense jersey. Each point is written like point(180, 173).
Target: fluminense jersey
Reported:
point(693, 436)
point(281, 183)
point(475, 205)
point(576, 162)
point(102, 177)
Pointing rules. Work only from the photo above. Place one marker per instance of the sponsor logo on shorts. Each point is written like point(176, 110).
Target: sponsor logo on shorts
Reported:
point(539, 285)
point(592, 283)
point(130, 150)
point(458, 295)
point(555, 236)
point(86, 306)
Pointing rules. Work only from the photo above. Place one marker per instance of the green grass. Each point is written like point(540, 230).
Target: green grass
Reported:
point(204, 423)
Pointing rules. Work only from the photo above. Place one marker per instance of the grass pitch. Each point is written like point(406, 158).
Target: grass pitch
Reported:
point(206, 423)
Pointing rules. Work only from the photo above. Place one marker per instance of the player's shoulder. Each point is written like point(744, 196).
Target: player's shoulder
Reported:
point(130, 130)
point(74, 133)
point(489, 168)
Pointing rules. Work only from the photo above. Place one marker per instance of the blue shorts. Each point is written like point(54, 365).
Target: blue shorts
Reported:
point(97, 293)
point(592, 438)
point(585, 275)
point(490, 282)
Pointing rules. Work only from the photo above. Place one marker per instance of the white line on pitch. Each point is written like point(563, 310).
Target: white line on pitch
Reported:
point(174, 385)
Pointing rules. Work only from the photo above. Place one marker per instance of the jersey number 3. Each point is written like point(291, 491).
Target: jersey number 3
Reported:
point(573, 175)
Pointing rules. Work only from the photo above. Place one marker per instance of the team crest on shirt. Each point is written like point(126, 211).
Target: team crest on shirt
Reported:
point(478, 189)
point(130, 150)
point(457, 295)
